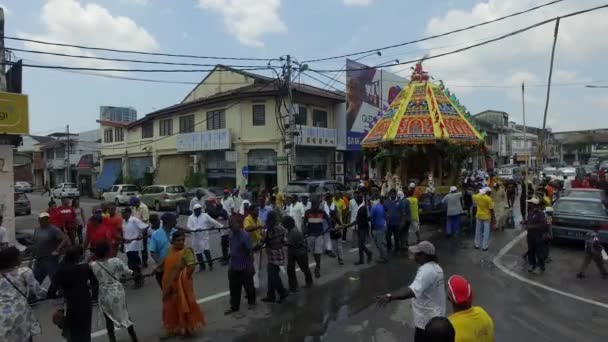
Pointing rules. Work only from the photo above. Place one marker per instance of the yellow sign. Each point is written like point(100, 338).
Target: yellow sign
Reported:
point(14, 114)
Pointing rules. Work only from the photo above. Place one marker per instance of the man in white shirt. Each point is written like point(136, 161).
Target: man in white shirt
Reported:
point(427, 291)
point(228, 202)
point(200, 239)
point(198, 199)
point(141, 211)
point(567, 183)
point(245, 204)
point(296, 211)
point(133, 230)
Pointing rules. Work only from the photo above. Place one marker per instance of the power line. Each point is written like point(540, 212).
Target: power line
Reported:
point(513, 33)
point(138, 52)
point(437, 35)
point(123, 59)
point(61, 67)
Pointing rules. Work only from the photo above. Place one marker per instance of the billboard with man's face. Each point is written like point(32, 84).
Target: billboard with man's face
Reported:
point(368, 92)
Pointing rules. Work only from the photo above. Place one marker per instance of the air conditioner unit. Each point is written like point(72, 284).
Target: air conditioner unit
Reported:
point(194, 159)
point(149, 169)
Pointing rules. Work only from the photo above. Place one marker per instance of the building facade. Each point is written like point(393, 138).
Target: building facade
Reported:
point(498, 135)
point(117, 114)
point(229, 131)
point(580, 146)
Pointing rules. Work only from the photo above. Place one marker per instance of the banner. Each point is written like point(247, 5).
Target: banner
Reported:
point(369, 91)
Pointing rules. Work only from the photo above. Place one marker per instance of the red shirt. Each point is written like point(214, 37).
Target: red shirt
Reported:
point(98, 232)
point(68, 217)
point(115, 224)
point(55, 217)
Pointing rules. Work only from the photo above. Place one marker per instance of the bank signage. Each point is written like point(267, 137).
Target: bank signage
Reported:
point(204, 141)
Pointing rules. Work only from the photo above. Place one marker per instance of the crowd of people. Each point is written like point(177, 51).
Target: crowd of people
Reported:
point(272, 233)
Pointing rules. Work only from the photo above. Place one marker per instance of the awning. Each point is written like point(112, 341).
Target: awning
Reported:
point(110, 172)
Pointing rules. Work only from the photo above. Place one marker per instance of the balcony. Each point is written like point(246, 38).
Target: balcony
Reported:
point(316, 136)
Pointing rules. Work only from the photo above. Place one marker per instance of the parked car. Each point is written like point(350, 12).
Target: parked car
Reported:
point(183, 207)
point(162, 197)
point(587, 193)
point(509, 172)
point(307, 188)
point(66, 190)
point(22, 204)
point(550, 172)
point(121, 193)
point(23, 187)
point(573, 217)
point(566, 171)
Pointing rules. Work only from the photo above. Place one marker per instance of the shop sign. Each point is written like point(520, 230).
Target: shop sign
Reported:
point(204, 141)
point(316, 136)
point(14, 115)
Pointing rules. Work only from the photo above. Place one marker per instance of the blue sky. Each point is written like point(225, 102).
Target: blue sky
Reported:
point(309, 29)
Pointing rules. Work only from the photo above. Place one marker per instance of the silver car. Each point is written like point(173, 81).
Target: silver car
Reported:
point(162, 197)
point(23, 187)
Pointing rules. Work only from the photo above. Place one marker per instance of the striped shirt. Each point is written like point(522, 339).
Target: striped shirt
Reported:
point(240, 251)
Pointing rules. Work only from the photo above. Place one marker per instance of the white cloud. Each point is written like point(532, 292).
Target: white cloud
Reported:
point(248, 20)
point(357, 2)
point(524, 57)
point(68, 21)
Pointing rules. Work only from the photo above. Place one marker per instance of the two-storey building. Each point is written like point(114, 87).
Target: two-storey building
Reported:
point(229, 131)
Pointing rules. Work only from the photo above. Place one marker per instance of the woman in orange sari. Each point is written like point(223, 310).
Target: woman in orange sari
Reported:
point(181, 314)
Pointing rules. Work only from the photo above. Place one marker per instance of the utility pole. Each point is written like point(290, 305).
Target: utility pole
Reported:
point(67, 155)
point(291, 119)
point(541, 146)
point(525, 181)
point(7, 142)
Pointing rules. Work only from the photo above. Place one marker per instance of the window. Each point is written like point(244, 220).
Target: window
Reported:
point(259, 115)
point(302, 116)
point(147, 130)
point(186, 123)
point(60, 151)
point(216, 120)
point(114, 189)
point(165, 127)
point(319, 118)
point(119, 134)
point(108, 136)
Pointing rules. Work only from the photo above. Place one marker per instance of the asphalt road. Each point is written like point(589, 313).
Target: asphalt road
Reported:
point(340, 307)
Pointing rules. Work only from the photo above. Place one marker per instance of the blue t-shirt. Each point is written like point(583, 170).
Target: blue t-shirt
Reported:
point(394, 212)
point(159, 242)
point(377, 217)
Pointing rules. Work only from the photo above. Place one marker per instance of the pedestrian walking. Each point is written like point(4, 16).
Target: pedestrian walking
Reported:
point(253, 225)
point(240, 269)
point(47, 189)
point(68, 219)
point(315, 219)
point(415, 214)
point(363, 230)
point(141, 211)
point(296, 210)
point(97, 231)
point(274, 240)
point(296, 253)
point(80, 288)
point(327, 227)
point(594, 251)
point(17, 321)
point(336, 210)
point(116, 223)
point(378, 219)
point(406, 222)
point(453, 200)
point(80, 220)
point(182, 316)
point(49, 241)
point(471, 323)
point(439, 329)
point(427, 291)
point(219, 213)
point(199, 224)
point(133, 231)
point(197, 199)
point(112, 299)
point(160, 241)
point(394, 221)
point(537, 228)
point(485, 208)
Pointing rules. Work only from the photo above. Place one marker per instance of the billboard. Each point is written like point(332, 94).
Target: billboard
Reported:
point(368, 92)
point(14, 116)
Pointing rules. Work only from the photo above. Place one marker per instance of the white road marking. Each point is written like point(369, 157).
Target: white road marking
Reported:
point(211, 298)
point(509, 246)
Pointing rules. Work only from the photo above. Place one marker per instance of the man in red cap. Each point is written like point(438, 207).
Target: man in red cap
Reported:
point(471, 323)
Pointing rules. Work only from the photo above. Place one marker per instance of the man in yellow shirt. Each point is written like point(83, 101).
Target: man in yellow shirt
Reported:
point(485, 211)
point(253, 225)
point(471, 323)
point(415, 217)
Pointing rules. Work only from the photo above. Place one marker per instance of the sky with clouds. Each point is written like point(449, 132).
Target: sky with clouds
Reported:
point(488, 77)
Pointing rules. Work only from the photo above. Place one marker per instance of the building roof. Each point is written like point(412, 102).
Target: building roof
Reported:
point(265, 86)
point(41, 138)
point(113, 123)
point(491, 111)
